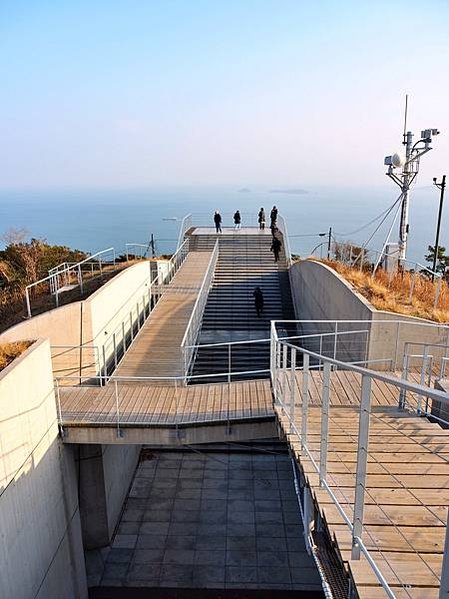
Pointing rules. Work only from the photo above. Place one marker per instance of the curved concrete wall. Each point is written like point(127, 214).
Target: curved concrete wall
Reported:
point(319, 293)
point(41, 553)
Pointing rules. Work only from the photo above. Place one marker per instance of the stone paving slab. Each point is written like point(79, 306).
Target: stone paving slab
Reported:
point(211, 520)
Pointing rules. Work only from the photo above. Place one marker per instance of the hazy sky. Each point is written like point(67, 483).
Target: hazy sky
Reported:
point(140, 93)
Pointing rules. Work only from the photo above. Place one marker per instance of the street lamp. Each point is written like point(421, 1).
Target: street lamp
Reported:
point(442, 187)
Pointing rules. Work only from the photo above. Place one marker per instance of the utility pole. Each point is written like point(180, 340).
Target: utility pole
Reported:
point(329, 244)
point(153, 253)
point(409, 166)
point(442, 187)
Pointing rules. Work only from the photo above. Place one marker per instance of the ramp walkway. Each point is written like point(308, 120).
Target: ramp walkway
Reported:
point(156, 351)
point(374, 477)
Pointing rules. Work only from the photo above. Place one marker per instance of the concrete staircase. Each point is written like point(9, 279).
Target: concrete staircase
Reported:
point(245, 262)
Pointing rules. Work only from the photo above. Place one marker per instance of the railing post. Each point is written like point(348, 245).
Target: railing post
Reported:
point(123, 337)
point(335, 340)
point(362, 462)
point(422, 380)
point(404, 376)
point(444, 583)
point(115, 349)
point(80, 279)
point(61, 429)
point(131, 325)
point(292, 388)
point(284, 371)
point(305, 400)
point(308, 516)
point(105, 368)
point(119, 434)
point(27, 295)
point(324, 421)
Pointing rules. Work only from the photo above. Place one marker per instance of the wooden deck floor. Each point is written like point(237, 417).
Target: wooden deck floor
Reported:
point(407, 485)
point(156, 350)
point(161, 406)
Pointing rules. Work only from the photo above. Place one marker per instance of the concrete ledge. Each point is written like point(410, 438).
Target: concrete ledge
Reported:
point(170, 436)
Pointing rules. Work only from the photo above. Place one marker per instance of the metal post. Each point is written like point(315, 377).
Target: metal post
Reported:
point(329, 244)
point(404, 376)
point(131, 325)
point(229, 387)
point(59, 406)
point(117, 408)
point(444, 583)
point(441, 186)
point(27, 294)
point(335, 340)
point(305, 400)
point(308, 517)
point(292, 388)
point(115, 350)
point(284, 372)
point(362, 462)
point(123, 337)
point(437, 293)
point(324, 422)
point(105, 368)
point(80, 279)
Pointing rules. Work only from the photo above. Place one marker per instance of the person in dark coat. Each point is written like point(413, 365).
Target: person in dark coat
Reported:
point(217, 221)
point(258, 300)
point(273, 215)
point(276, 245)
point(261, 219)
point(237, 219)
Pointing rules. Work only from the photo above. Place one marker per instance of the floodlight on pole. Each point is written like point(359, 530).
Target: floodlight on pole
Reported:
point(403, 170)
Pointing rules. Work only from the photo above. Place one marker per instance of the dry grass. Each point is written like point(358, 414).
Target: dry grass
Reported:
point(10, 351)
point(403, 293)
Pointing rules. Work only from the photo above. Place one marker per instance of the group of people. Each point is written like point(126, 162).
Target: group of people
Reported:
point(276, 243)
point(238, 220)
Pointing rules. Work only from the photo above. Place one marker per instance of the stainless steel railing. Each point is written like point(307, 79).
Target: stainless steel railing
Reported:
point(285, 360)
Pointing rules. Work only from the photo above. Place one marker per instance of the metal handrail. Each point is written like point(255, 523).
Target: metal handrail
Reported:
point(194, 325)
point(53, 278)
point(186, 223)
point(282, 226)
point(283, 371)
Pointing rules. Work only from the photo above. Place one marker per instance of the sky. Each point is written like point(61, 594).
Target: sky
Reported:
point(133, 93)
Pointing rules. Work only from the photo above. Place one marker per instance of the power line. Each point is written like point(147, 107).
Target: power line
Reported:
point(367, 224)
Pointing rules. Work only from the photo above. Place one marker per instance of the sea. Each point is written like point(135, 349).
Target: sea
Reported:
point(96, 219)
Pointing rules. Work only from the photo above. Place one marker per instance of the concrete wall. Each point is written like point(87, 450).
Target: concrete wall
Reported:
point(321, 293)
point(105, 474)
point(41, 554)
point(88, 323)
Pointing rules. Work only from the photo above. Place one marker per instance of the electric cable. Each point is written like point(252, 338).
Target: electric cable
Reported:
point(367, 224)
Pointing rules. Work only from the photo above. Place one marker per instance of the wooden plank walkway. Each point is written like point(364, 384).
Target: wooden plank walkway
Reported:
point(407, 490)
point(164, 406)
point(156, 350)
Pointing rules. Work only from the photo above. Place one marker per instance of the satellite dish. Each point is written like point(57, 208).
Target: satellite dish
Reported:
point(397, 160)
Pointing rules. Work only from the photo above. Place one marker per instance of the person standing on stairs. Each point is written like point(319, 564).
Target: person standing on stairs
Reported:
point(237, 219)
point(258, 300)
point(273, 216)
point(276, 247)
point(217, 221)
point(261, 219)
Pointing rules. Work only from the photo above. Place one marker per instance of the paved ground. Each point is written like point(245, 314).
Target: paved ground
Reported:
point(214, 520)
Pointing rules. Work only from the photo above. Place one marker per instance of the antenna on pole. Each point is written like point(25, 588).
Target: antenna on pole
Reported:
point(404, 137)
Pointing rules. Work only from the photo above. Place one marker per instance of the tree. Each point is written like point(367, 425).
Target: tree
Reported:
point(442, 260)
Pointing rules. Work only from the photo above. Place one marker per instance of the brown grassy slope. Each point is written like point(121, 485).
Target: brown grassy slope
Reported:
point(393, 294)
point(10, 351)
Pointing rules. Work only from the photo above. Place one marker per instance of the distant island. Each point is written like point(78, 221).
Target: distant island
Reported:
point(294, 191)
point(244, 190)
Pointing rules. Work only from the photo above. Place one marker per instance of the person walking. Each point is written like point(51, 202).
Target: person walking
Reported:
point(217, 221)
point(237, 219)
point(276, 247)
point(258, 300)
point(261, 219)
point(273, 216)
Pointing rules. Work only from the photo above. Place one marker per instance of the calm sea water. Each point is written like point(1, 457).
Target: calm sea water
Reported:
point(93, 220)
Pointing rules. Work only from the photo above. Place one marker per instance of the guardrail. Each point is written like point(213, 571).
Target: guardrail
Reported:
point(62, 275)
point(186, 223)
point(195, 321)
point(282, 226)
point(140, 250)
point(285, 360)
